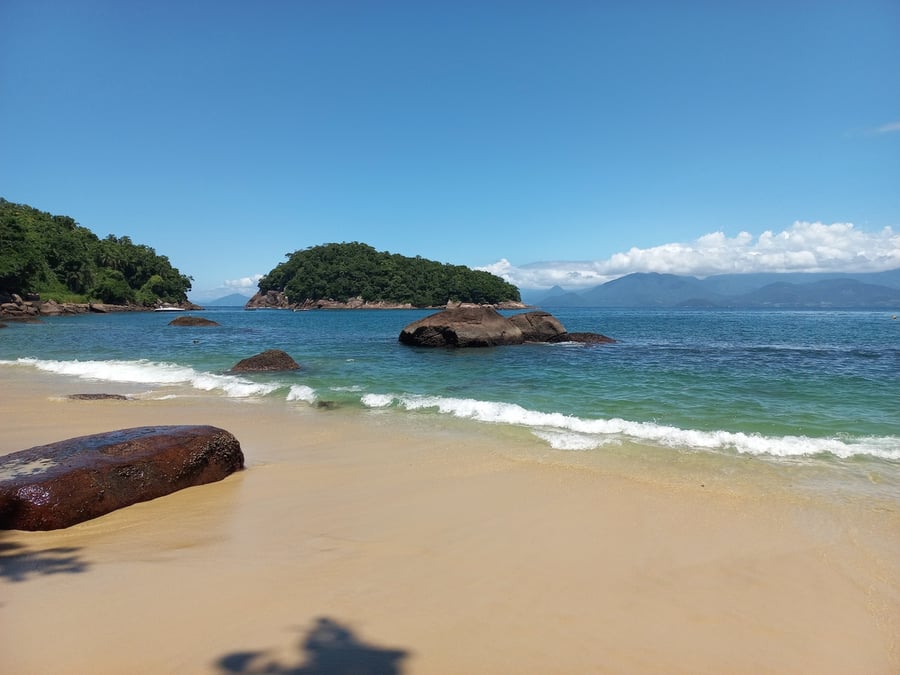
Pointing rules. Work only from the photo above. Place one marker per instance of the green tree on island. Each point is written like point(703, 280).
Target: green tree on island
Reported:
point(59, 259)
point(355, 270)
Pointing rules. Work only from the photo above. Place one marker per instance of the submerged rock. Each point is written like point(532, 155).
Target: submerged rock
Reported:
point(192, 321)
point(99, 397)
point(584, 338)
point(54, 486)
point(269, 360)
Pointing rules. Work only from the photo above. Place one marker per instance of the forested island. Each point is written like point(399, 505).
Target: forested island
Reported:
point(357, 274)
point(55, 258)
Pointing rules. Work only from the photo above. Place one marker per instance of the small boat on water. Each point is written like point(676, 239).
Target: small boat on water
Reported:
point(169, 309)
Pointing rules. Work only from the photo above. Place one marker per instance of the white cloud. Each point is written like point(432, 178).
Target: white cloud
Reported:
point(244, 283)
point(888, 128)
point(804, 247)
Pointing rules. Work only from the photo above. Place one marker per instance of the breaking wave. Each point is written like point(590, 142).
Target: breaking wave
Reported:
point(151, 373)
point(300, 392)
point(566, 432)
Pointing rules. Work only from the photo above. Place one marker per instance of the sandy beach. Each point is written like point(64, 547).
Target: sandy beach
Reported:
point(371, 543)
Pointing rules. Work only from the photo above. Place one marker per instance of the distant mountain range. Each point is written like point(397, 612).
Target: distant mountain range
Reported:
point(233, 300)
point(788, 290)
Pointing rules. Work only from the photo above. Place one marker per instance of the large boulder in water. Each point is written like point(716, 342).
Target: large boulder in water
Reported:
point(538, 326)
point(468, 326)
point(267, 361)
point(53, 486)
point(481, 326)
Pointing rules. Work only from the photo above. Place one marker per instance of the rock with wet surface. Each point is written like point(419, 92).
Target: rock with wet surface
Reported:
point(466, 326)
point(193, 321)
point(538, 326)
point(584, 338)
point(482, 326)
point(57, 485)
point(268, 361)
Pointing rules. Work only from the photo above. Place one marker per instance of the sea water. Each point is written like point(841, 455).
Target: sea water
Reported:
point(821, 387)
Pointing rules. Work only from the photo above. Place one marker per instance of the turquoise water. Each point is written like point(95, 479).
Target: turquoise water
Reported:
point(780, 384)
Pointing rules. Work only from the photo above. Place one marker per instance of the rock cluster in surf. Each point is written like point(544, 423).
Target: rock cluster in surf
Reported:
point(482, 326)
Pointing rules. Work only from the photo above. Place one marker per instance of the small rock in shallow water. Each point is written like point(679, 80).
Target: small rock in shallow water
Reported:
point(269, 360)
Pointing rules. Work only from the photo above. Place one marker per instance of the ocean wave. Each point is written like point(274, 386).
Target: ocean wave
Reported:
point(300, 392)
point(567, 432)
point(377, 400)
point(151, 373)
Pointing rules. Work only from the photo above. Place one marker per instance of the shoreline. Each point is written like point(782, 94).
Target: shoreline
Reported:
point(444, 547)
point(14, 308)
point(279, 300)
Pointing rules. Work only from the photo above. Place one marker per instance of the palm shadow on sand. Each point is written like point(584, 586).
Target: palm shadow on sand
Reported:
point(19, 563)
point(327, 649)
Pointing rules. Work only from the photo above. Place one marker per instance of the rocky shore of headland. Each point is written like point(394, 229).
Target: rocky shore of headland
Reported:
point(278, 300)
point(14, 307)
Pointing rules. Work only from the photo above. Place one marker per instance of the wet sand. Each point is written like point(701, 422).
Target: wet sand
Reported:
point(380, 543)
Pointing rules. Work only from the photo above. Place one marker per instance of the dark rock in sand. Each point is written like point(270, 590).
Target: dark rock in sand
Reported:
point(467, 326)
point(267, 361)
point(538, 326)
point(192, 321)
point(54, 486)
point(98, 397)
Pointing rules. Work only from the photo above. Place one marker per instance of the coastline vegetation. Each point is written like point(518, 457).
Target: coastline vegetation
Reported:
point(57, 258)
point(350, 270)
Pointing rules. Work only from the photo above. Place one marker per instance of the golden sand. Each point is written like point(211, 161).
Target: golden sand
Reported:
point(368, 542)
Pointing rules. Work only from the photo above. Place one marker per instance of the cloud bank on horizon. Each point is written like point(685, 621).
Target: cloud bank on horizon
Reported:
point(248, 283)
point(246, 286)
point(803, 247)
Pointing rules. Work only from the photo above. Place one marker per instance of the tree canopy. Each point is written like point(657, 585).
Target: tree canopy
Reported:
point(59, 259)
point(349, 270)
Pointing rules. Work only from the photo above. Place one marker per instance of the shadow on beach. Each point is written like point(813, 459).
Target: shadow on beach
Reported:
point(327, 649)
point(18, 563)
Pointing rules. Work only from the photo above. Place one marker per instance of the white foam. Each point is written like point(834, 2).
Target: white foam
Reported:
point(300, 392)
point(377, 400)
point(139, 372)
point(563, 440)
point(567, 432)
point(149, 372)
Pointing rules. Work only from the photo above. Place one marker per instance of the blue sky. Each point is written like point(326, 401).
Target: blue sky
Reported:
point(552, 142)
